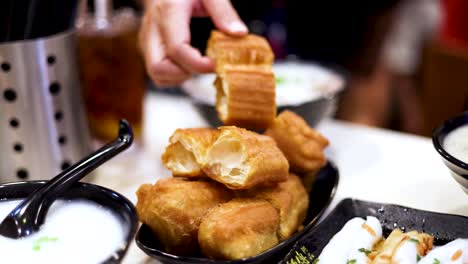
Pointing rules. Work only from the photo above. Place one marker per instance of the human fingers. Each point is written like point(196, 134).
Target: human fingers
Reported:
point(175, 32)
point(166, 70)
point(225, 17)
point(160, 70)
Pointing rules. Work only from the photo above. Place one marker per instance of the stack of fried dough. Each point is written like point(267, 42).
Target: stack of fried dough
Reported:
point(245, 83)
point(234, 193)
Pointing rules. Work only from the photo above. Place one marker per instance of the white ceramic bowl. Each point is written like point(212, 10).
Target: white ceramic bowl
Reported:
point(310, 90)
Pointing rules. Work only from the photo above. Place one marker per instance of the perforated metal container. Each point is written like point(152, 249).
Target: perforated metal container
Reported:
point(42, 121)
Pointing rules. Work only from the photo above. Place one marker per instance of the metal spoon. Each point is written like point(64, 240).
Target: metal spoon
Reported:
point(30, 214)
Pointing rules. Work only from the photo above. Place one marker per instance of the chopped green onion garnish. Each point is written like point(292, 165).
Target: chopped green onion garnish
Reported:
point(279, 80)
point(45, 239)
point(365, 251)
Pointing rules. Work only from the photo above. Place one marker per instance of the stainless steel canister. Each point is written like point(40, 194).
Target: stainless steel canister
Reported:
point(42, 120)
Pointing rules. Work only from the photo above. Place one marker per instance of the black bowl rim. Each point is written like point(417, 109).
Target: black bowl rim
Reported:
point(295, 237)
point(351, 202)
point(118, 254)
point(442, 130)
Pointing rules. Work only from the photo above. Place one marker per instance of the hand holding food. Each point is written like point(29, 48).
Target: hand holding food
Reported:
point(271, 203)
point(165, 37)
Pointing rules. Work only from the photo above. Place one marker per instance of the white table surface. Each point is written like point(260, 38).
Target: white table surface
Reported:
point(374, 164)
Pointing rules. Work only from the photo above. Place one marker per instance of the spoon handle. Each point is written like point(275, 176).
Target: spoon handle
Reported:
point(33, 210)
point(76, 172)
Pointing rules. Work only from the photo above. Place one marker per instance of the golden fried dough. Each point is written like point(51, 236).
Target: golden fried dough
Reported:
point(173, 208)
point(241, 159)
point(245, 97)
point(250, 49)
point(187, 149)
point(289, 198)
point(388, 249)
point(245, 84)
point(302, 145)
point(238, 229)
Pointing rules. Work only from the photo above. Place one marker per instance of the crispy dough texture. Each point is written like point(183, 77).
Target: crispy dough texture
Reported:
point(290, 200)
point(241, 159)
point(245, 97)
point(174, 207)
point(187, 149)
point(238, 229)
point(245, 84)
point(302, 145)
point(388, 248)
point(250, 49)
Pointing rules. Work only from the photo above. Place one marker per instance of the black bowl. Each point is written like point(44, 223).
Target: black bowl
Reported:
point(458, 168)
point(320, 197)
point(107, 198)
point(319, 107)
point(443, 227)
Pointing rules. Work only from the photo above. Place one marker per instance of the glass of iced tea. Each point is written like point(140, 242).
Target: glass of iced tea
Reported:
point(112, 72)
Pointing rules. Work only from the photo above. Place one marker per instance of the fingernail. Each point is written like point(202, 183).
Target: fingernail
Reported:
point(237, 27)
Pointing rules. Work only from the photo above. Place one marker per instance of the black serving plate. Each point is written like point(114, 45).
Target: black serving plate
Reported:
point(443, 227)
point(320, 197)
point(107, 198)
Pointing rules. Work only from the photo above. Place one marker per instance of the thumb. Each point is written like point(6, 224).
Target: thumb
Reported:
point(225, 17)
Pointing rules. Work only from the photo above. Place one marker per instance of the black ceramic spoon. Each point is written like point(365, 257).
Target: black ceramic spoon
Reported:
point(30, 214)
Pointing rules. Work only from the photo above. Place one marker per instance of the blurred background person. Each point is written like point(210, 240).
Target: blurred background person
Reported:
point(444, 73)
point(415, 24)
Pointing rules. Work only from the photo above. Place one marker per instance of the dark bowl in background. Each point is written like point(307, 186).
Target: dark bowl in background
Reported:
point(115, 202)
point(458, 168)
point(316, 109)
point(320, 196)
